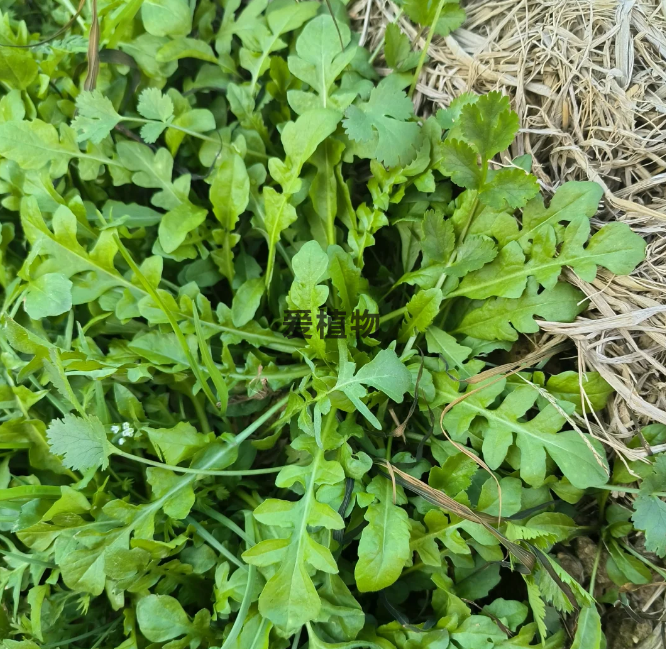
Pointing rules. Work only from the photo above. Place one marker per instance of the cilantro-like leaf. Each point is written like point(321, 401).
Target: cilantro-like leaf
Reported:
point(81, 442)
point(459, 161)
point(154, 105)
point(96, 116)
point(509, 188)
point(383, 122)
point(489, 124)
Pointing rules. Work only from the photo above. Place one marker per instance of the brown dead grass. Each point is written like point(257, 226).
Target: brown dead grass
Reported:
point(588, 80)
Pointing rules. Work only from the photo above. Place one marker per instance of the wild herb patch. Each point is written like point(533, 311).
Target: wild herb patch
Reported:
point(268, 378)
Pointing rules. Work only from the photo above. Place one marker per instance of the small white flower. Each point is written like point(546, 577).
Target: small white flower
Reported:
point(115, 429)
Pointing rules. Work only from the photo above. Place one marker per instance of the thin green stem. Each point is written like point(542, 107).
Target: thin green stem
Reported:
point(394, 314)
point(28, 492)
point(282, 372)
point(426, 47)
point(408, 345)
point(595, 567)
point(380, 45)
point(660, 571)
point(629, 490)
point(461, 240)
point(182, 469)
point(212, 541)
point(221, 518)
point(70, 7)
point(201, 413)
point(201, 136)
point(247, 596)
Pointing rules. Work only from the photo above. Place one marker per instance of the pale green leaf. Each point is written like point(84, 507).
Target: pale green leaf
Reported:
point(96, 116)
point(384, 545)
point(81, 442)
point(48, 295)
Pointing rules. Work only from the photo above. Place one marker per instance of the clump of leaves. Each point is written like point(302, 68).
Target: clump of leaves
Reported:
point(177, 469)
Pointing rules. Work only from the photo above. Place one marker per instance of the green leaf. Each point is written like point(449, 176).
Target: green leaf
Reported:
point(184, 48)
point(384, 545)
point(510, 188)
point(424, 12)
point(32, 145)
point(154, 105)
point(588, 630)
point(385, 372)
point(246, 301)
point(310, 265)
point(96, 117)
point(493, 320)
point(176, 500)
point(166, 17)
point(489, 501)
point(345, 277)
point(614, 247)
point(455, 474)
point(83, 571)
point(570, 201)
point(153, 171)
point(567, 386)
point(421, 309)
point(397, 49)
point(478, 632)
point(440, 342)
point(581, 459)
point(510, 612)
point(18, 68)
point(324, 188)
point(81, 442)
point(537, 605)
point(289, 598)
point(300, 140)
point(459, 162)
point(650, 510)
point(318, 62)
point(489, 124)
point(177, 223)
point(438, 238)
point(383, 123)
point(48, 295)
point(229, 194)
point(162, 618)
point(438, 528)
point(451, 17)
point(476, 251)
point(178, 443)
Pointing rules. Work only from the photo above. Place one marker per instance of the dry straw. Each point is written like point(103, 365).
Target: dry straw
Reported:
point(588, 80)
